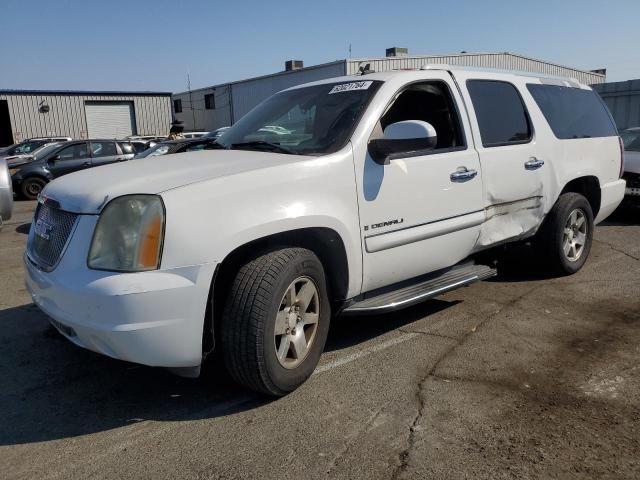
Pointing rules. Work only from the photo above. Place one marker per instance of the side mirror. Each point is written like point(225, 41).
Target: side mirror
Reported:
point(53, 159)
point(403, 139)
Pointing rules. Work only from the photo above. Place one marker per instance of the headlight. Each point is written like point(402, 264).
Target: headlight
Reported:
point(129, 234)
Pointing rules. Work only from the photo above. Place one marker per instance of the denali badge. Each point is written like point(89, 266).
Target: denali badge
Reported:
point(43, 229)
point(373, 226)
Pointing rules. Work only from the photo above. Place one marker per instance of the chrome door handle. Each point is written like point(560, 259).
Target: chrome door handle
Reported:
point(533, 164)
point(463, 174)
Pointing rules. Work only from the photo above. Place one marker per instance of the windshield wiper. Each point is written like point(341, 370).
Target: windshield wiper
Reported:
point(261, 145)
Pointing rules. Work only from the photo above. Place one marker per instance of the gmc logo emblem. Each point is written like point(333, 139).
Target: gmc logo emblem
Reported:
point(43, 229)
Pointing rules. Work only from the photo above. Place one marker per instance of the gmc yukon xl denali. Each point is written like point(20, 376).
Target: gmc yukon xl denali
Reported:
point(370, 195)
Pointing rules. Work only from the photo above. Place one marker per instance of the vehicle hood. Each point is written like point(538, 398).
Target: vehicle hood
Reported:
point(18, 160)
point(89, 190)
point(632, 162)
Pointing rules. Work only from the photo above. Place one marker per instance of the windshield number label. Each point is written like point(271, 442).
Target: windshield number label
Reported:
point(348, 87)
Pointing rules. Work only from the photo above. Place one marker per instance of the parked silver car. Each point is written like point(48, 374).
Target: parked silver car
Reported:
point(6, 193)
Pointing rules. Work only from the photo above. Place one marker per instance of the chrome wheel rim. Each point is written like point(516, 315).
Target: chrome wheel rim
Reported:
point(574, 236)
point(296, 322)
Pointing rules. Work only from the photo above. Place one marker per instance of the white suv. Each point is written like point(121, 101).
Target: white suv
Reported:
point(371, 197)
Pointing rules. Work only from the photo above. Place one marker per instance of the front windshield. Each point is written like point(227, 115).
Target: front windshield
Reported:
point(45, 150)
point(25, 147)
point(157, 149)
point(313, 120)
point(631, 140)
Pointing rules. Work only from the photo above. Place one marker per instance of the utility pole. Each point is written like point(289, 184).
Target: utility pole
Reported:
point(193, 112)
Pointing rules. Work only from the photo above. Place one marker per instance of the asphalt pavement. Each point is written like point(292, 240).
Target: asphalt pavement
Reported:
point(523, 376)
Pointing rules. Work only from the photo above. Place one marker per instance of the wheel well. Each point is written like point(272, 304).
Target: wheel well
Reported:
point(589, 187)
point(324, 242)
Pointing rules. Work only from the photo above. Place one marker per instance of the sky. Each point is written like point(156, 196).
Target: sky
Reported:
point(154, 45)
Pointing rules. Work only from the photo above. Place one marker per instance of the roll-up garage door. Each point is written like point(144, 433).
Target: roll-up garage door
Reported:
point(109, 119)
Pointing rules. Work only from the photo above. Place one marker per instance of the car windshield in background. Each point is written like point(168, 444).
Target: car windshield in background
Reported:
point(313, 120)
point(44, 151)
point(631, 140)
point(158, 149)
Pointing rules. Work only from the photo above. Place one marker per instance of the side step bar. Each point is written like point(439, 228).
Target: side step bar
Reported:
point(408, 295)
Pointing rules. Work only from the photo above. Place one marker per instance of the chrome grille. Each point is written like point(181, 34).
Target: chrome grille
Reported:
point(51, 229)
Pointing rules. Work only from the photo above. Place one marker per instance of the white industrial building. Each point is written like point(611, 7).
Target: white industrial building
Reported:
point(82, 114)
point(222, 105)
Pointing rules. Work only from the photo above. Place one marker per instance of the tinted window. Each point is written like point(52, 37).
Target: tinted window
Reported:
point(573, 112)
point(210, 101)
point(103, 149)
point(177, 106)
point(500, 111)
point(74, 152)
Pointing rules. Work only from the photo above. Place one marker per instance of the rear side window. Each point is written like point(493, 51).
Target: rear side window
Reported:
point(500, 111)
point(573, 112)
point(103, 149)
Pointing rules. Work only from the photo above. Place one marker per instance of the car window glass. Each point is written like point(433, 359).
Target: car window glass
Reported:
point(74, 152)
point(573, 112)
point(196, 147)
point(631, 140)
point(429, 102)
point(500, 111)
point(103, 149)
point(127, 148)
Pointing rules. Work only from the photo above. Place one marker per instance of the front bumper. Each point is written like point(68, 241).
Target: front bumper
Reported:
point(152, 318)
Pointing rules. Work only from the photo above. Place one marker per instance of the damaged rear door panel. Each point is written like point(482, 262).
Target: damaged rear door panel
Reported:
point(514, 165)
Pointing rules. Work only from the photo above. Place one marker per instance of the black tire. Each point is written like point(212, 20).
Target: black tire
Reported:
point(31, 187)
point(249, 318)
point(550, 239)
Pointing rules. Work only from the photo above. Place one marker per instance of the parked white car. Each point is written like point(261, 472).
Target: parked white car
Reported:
point(631, 139)
point(383, 188)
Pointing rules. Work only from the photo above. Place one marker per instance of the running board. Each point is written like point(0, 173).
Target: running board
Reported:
point(406, 296)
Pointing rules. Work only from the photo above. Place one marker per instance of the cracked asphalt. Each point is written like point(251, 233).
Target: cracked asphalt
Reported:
point(524, 376)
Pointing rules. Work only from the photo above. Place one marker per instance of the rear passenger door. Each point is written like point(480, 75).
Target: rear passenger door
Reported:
point(104, 152)
point(513, 164)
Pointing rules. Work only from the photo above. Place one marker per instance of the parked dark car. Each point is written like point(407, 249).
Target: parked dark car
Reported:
point(178, 146)
point(30, 178)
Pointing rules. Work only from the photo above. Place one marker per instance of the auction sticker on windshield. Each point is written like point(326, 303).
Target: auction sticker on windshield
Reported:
point(347, 87)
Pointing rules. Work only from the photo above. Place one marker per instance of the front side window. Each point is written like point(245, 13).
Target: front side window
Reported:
point(430, 102)
point(103, 149)
point(74, 152)
point(502, 117)
point(315, 120)
point(158, 149)
point(573, 112)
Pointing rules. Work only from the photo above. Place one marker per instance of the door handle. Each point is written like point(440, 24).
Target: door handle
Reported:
point(463, 174)
point(533, 164)
point(86, 164)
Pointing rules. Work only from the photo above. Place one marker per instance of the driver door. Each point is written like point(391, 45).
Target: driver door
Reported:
point(70, 159)
point(417, 213)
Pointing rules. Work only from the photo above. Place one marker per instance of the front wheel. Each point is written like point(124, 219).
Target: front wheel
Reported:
point(31, 187)
point(565, 238)
point(276, 320)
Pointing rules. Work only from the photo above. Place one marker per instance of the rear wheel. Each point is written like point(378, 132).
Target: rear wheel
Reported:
point(276, 320)
point(565, 238)
point(31, 187)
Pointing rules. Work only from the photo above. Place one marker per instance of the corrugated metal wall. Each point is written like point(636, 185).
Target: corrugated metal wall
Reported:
point(623, 99)
point(502, 61)
point(66, 116)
